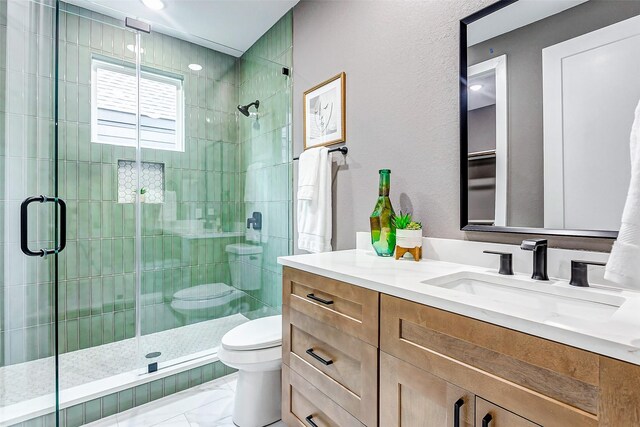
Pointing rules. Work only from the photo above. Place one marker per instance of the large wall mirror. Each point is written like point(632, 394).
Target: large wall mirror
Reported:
point(548, 91)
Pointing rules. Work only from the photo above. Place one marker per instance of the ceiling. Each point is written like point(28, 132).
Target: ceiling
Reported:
point(514, 16)
point(229, 26)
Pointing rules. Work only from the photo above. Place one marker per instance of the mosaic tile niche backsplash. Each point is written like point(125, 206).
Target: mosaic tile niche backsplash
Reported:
point(151, 183)
point(205, 184)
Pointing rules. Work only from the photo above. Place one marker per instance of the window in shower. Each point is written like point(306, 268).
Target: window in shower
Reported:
point(114, 105)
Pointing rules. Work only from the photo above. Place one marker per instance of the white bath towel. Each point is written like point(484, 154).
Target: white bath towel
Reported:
point(623, 266)
point(314, 209)
point(308, 173)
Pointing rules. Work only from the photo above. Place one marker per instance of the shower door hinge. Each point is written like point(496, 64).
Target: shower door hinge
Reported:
point(137, 25)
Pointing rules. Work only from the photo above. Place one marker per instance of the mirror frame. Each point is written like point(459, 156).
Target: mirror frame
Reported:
point(464, 147)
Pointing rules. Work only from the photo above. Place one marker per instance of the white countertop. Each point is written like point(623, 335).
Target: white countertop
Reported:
point(616, 336)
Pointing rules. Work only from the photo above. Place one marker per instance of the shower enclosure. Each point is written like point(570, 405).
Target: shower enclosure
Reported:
point(149, 174)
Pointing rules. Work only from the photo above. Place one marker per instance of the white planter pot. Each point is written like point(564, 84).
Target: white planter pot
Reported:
point(409, 238)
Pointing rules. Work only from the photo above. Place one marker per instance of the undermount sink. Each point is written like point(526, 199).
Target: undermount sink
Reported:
point(561, 304)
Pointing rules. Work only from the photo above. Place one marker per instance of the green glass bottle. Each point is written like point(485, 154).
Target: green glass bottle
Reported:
point(383, 231)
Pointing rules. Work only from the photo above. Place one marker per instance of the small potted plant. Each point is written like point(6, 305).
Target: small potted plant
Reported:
point(142, 192)
point(408, 236)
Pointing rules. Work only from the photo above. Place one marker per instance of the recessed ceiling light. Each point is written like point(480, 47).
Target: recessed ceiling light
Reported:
point(195, 67)
point(475, 88)
point(132, 48)
point(154, 4)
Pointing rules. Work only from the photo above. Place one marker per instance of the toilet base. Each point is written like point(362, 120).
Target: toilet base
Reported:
point(258, 398)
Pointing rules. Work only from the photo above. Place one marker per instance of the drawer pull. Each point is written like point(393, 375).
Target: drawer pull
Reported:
point(323, 301)
point(486, 420)
point(318, 358)
point(456, 412)
point(309, 421)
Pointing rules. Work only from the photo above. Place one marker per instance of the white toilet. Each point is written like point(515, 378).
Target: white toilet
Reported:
point(213, 300)
point(204, 302)
point(255, 350)
point(245, 266)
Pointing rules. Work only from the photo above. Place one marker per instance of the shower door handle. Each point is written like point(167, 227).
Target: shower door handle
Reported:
point(24, 225)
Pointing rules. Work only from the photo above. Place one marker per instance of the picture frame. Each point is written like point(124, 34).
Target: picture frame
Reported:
point(324, 113)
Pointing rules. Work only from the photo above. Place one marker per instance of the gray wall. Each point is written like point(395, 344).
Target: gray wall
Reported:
point(482, 136)
point(401, 61)
point(481, 123)
point(525, 199)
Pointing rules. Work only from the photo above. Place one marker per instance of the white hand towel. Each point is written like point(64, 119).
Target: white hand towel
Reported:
point(314, 214)
point(623, 266)
point(308, 173)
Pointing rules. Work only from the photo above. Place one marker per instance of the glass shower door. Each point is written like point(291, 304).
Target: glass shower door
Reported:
point(30, 211)
point(189, 169)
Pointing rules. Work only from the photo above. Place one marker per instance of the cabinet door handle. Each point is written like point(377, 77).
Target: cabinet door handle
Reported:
point(456, 412)
point(323, 301)
point(325, 362)
point(486, 420)
point(309, 421)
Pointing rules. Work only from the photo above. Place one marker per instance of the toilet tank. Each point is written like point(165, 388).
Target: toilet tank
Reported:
point(245, 266)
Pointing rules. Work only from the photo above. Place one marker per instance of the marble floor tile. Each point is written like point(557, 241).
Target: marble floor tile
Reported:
point(208, 405)
point(179, 421)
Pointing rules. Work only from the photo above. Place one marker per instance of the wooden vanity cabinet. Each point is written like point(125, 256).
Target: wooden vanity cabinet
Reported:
point(398, 363)
point(412, 397)
point(330, 350)
point(539, 380)
point(490, 415)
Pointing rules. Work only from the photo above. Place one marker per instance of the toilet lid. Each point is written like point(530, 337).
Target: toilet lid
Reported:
point(254, 335)
point(243, 249)
point(203, 292)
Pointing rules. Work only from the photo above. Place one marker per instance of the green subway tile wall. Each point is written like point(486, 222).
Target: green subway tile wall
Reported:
point(97, 271)
point(183, 240)
point(265, 156)
point(97, 300)
point(26, 126)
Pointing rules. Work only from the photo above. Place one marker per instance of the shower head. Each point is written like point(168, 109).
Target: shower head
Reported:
point(244, 109)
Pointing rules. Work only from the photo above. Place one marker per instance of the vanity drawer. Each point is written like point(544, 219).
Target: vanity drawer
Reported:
point(499, 417)
point(303, 405)
point(349, 308)
point(338, 364)
point(547, 382)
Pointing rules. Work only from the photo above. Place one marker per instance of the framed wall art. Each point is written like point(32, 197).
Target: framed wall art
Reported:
point(324, 113)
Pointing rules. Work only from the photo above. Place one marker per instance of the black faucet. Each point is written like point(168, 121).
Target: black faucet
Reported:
point(255, 220)
point(579, 272)
point(539, 248)
point(506, 262)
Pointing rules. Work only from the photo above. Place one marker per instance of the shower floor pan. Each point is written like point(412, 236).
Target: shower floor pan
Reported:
point(27, 389)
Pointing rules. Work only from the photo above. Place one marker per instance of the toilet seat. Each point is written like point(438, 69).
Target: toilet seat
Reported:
point(267, 359)
point(256, 334)
point(198, 300)
point(254, 346)
point(204, 292)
